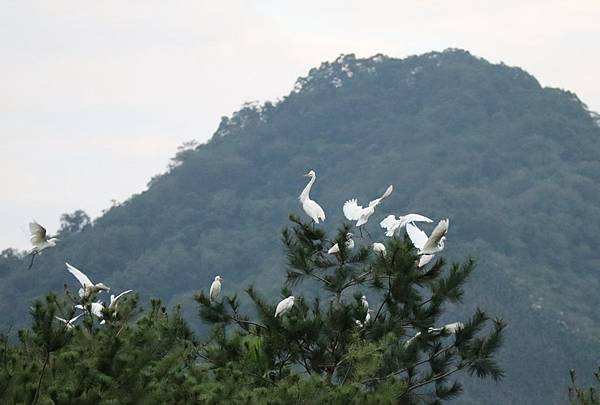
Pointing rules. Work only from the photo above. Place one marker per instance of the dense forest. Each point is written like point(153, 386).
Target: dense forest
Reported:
point(513, 165)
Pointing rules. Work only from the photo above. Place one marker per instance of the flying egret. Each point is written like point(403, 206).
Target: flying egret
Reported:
point(70, 322)
point(310, 207)
point(40, 240)
point(428, 246)
point(215, 288)
point(379, 248)
point(88, 289)
point(349, 245)
point(368, 317)
point(391, 224)
point(355, 212)
point(365, 303)
point(284, 306)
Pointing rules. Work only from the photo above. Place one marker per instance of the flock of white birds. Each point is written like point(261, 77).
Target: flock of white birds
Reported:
point(427, 247)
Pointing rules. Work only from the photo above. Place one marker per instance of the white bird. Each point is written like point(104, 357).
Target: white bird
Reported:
point(379, 248)
point(349, 245)
point(113, 300)
point(391, 224)
point(310, 207)
point(355, 212)
point(358, 323)
point(428, 246)
point(39, 239)
point(284, 306)
point(368, 317)
point(365, 303)
point(215, 288)
point(95, 308)
point(88, 289)
point(451, 328)
point(70, 322)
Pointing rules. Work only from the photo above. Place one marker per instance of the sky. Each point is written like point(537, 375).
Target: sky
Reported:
point(95, 97)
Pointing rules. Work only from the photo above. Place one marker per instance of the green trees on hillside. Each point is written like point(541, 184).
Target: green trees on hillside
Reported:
point(322, 350)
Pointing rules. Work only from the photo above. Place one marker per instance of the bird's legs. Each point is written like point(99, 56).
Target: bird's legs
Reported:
point(35, 252)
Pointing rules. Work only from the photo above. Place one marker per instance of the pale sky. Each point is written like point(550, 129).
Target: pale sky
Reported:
point(95, 97)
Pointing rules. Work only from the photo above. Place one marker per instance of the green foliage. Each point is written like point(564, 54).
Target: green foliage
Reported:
point(328, 337)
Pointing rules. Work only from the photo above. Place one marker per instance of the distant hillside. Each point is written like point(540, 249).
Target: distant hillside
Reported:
point(515, 166)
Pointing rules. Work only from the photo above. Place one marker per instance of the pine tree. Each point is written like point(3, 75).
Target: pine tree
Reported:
point(584, 396)
point(401, 353)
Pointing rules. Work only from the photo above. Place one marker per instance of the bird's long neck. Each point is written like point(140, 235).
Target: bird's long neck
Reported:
point(305, 193)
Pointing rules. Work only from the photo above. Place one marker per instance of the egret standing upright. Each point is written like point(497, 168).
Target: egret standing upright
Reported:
point(311, 208)
point(215, 288)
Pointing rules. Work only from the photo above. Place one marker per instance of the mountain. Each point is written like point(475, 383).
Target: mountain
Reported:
point(514, 165)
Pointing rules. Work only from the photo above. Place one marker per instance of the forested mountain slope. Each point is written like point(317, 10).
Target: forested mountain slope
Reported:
point(515, 167)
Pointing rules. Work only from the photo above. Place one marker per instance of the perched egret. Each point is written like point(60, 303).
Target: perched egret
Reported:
point(355, 212)
point(379, 248)
point(95, 308)
point(365, 303)
point(40, 240)
point(391, 224)
point(70, 322)
point(358, 323)
point(428, 246)
point(368, 317)
point(215, 288)
point(311, 208)
point(89, 289)
point(451, 328)
point(113, 300)
point(284, 306)
point(349, 245)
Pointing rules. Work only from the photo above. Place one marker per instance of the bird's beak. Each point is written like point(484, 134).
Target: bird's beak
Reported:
point(306, 175)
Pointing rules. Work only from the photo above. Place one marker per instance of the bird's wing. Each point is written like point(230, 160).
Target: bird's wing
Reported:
point(97, 309)
point(438, 232)
point(82, 278)
point(424, 260)
point(280, 307)
point(38, 233)
point(334, 249)
point(416, 218)
point(120, 295)
point(389, 222)
point(352, 210)
point(417, 236)
point(387, 193)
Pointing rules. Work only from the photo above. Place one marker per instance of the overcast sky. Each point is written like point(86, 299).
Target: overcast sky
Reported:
point(95, 97)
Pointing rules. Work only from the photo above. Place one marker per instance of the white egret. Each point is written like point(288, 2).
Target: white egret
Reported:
point(70, 322)
point(310, 207)
point(379, 248)
point(88, 289)
point(95, 308)
point(40, 240)
point(428, 246)
point(284, 306)
point(391, 224)
point(358, 323)
point(114, 300)
point(368, 317)
point(349, 245)
point(215, 288)
point(451, 328)
point(365, 303)
point(355, 212)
